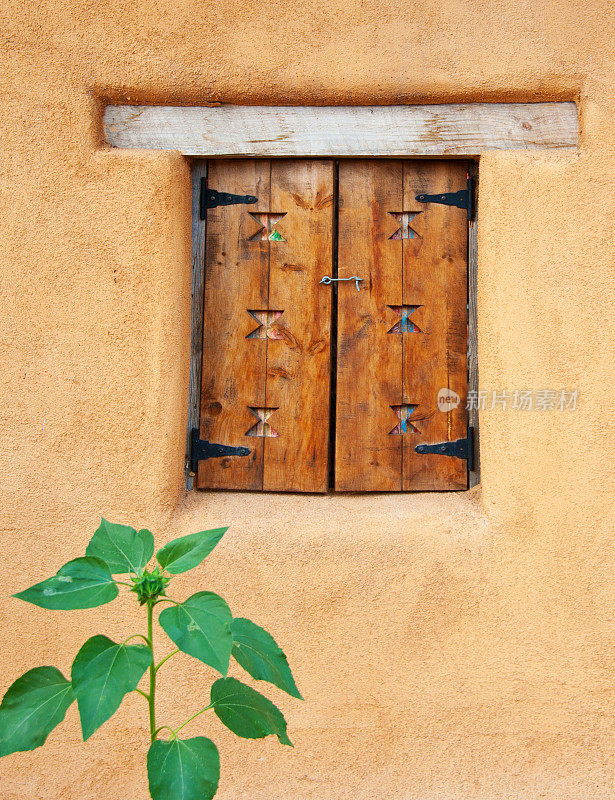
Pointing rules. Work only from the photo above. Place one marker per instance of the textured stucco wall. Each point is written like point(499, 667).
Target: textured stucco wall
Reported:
point(450, 647)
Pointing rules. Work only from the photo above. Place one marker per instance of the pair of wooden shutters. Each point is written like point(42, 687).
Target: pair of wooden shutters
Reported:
point(290, 362)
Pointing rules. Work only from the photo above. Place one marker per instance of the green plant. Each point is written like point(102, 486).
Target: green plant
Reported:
point(103, 671)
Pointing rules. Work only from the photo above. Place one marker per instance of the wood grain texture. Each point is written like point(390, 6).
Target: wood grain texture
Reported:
point(435, 276)
point(234, 367)
point(274, 385)
point(344, 131)
point(369, 360)
point(379, 369)
point(473, 414)
point(197, 277)
point(298, 363)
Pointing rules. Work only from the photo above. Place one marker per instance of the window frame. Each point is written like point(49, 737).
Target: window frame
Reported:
point(199, 232)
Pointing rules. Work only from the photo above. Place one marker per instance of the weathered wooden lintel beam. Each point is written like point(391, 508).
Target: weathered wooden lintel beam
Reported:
point(462, 130)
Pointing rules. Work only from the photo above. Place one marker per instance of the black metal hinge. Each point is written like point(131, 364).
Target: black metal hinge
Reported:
point(201, 450)
point(210, 198)
point(461, 448)
point(464, 198)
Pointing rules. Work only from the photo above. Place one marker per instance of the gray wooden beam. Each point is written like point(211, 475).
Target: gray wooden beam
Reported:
point(473, 419)
point(460, 130)
point(199, 170)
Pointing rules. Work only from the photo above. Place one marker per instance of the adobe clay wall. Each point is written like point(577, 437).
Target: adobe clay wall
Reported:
point(449, 647)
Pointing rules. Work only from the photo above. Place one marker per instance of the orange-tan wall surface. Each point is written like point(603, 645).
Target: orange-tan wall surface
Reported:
point(449, 646)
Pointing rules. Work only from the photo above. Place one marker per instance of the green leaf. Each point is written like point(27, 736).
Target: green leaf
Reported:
point(183, 769)
point(103, 673)
point(257, 652)
point(187, 552)
point(82, 583)
point(246, 712)
point(201, 627)
point(121, 547)
point(31, 709)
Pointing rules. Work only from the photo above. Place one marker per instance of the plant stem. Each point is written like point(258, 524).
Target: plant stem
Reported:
point(166, 600)
point(165, 728)
point(152, 672)
point(137, 636)
point(166, 658)
point(192, 717)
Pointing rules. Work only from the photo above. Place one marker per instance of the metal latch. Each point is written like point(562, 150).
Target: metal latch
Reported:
point(201, 450)
point(460, 448)
point(464, 198)
point(327, 280)
point(211, 198)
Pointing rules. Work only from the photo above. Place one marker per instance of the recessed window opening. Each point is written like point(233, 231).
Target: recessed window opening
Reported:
point(334, 333)
point(335, 325)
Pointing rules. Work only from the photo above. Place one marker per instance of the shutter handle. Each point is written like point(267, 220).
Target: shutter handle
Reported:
point(327, 280)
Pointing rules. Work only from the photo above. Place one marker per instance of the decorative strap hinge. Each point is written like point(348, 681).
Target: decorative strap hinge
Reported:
point(211, 198)
point(460, 448)
point(201, 450)
point(464, 198)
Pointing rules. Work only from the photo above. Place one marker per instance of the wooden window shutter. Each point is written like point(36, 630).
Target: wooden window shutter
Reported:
point(403, 337)
point(267, 324)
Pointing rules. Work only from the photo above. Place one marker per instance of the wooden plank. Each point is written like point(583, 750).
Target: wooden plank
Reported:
point(234, 366)
point(435, 359)
point(298, 362)
point(369, 360)
point(464, 130)
point(473, 420)
point(199, 170)
point(403, 337)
